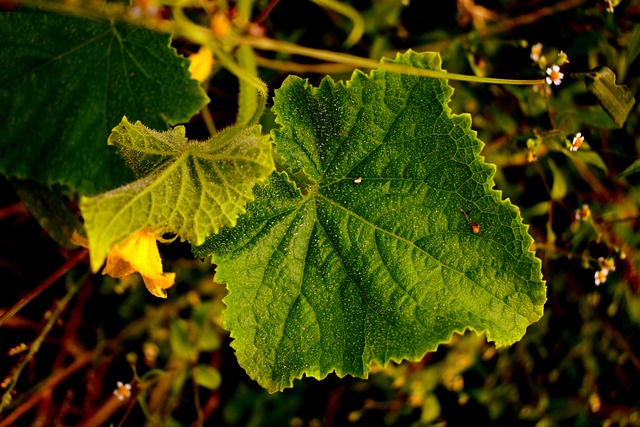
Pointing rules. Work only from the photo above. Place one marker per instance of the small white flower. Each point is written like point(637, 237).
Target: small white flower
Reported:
point(536, 52)
point(554, 75)
point(601, 276)
point(122, 391)
point(577, 142)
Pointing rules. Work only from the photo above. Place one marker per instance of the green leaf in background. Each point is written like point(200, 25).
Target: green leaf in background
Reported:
point(208, 377)
point(631, 169)
point(633, 48)
point(616, 100)
point(67, 81)
point(188, 188)
point(373, 259)
point(181, 344)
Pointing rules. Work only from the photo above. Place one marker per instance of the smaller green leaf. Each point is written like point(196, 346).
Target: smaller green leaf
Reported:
point(209, 340)
point(554, 140)
point(633, 168)
point(187, 188)
point(633, 48)
point(616, 100)
point(592, 116)
point(208, 377)
point(430, 408)
point(181, 344)
point(591, 158)
point(559, 188)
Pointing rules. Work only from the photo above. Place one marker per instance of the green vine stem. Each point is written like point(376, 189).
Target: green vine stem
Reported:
point(204, 37)
point(251, 102)
point(264, 43)
point(187, 29)
point(349, 12)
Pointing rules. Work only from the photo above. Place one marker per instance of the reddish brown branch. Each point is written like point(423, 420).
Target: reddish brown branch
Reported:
point(47, 388)
point(68, 265)
point(13, 210)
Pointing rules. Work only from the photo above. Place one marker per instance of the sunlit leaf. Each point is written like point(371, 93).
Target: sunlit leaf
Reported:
point(186, 188)
point(371, 258)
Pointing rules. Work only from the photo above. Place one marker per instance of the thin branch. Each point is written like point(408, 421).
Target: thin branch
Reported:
point(68, 265)
point(15, 209)
point(48, 386)
point(35, 345)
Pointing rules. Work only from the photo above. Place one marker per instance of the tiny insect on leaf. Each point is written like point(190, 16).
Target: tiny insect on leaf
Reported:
point(475, 227)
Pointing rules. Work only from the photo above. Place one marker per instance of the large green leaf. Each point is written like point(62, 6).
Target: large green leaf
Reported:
point(187, 188)
point(67, 81)
point(372, 258)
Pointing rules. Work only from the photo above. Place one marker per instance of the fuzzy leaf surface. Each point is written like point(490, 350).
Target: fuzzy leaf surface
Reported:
point(67, 81)
point(370, 257)
point(187, 188)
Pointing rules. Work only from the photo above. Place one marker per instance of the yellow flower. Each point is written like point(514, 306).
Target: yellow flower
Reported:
point(201, 64)
point(139, 254)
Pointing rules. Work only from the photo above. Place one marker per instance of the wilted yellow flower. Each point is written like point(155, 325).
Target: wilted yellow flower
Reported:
point(139, 254)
